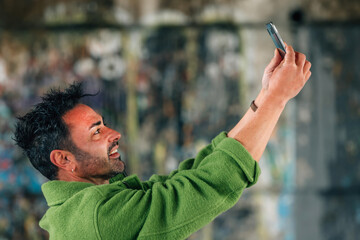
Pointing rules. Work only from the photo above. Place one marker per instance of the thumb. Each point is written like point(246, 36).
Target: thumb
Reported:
point(275, 61)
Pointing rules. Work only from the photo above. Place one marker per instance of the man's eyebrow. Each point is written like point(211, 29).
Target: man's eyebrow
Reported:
point(96, 124)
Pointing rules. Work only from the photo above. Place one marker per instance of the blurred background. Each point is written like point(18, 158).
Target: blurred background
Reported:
point(172, 75)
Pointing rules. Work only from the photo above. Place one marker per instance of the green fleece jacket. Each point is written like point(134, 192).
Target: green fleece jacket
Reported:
point(165, 207)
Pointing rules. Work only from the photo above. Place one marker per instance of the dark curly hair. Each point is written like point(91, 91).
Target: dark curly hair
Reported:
point(43, 129)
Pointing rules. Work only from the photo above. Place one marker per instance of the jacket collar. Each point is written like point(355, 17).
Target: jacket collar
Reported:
point(57, 192)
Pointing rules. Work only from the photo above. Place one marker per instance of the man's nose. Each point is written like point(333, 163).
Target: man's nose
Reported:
point(114, 136)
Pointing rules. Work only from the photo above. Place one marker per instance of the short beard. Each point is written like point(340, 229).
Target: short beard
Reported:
point(82, 156)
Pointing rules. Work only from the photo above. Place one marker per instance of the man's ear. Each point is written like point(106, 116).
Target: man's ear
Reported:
point(62, 159)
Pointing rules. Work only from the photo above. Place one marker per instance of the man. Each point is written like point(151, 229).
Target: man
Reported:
point(89, 195)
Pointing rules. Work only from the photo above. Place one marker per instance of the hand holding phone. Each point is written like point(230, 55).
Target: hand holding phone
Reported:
point(274, 34)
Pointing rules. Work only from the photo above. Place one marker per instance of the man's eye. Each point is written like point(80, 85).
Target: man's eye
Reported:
point(97, 131)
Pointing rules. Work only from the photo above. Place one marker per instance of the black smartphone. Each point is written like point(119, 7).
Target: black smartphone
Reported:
point(274, 34)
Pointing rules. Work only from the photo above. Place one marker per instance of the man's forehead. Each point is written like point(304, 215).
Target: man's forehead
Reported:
point(81, 114)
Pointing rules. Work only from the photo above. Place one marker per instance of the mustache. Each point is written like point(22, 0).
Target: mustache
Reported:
point(112, 146)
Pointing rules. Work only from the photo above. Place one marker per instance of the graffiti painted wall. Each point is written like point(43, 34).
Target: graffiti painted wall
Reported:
point(168, 90)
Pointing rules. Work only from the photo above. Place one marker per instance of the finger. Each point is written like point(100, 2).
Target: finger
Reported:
point(290, 55)
point(300, 59)
point(307, 66)
point(307, 76)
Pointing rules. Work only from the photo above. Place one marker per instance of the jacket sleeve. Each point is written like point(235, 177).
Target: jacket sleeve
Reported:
point(187, 199)
point(188, 164)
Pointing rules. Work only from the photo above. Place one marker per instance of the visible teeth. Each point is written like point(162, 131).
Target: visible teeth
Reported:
point(115, 151)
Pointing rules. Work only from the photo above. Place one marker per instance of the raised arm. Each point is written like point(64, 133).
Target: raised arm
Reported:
point(283, 79)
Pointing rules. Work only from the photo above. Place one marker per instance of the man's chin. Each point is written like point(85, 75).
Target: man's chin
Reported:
point(118, 166)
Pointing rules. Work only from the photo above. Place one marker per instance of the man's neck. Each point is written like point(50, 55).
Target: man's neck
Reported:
point(65, 176)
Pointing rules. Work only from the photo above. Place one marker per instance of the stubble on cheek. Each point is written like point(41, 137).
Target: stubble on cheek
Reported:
point(104, 168)
point(94, 167)
point(91, 166)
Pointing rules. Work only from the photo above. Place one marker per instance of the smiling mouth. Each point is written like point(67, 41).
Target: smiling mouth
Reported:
point(114, 153)
point(114, 146)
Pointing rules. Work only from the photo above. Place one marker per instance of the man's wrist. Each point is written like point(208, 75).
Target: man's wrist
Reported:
point(265, 100)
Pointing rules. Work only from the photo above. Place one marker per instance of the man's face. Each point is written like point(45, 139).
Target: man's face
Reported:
point(96, 144)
